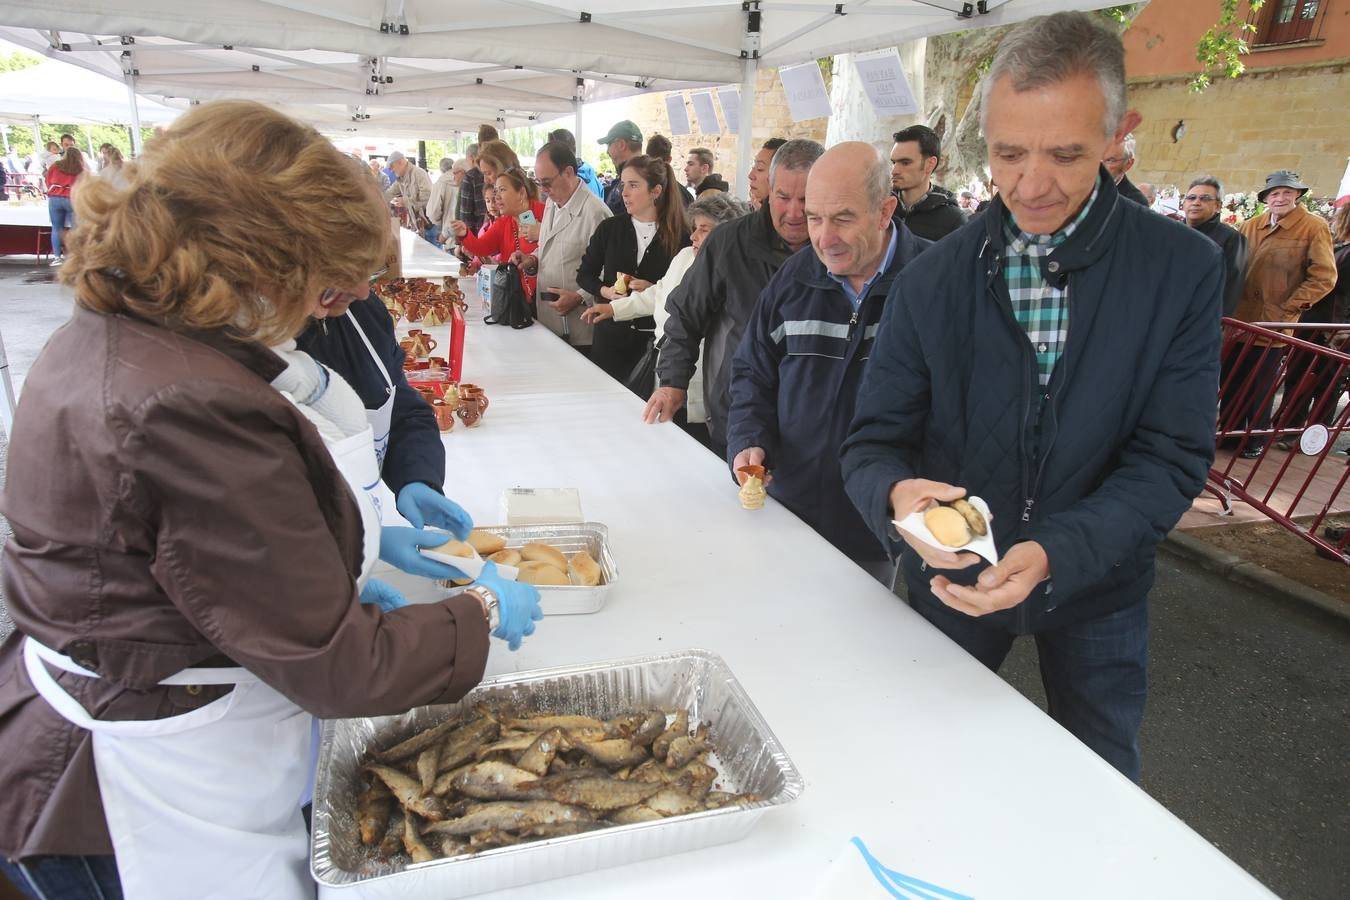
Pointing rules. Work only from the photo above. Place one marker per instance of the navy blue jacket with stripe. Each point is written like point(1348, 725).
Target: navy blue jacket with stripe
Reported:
point(794, 380)
point(1126, 424)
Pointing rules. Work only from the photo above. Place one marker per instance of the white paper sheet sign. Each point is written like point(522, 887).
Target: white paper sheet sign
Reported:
point(805, 89)
point(679, 116)
point(705, 112)
point(730, 98)
point(884, 82)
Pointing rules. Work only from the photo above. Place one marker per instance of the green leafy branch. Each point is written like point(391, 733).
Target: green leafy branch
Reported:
point(1221, 48)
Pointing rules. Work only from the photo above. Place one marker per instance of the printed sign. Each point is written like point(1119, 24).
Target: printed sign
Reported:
point(730, 98)
point(679, 116)
point(705, 112)
point(884, 82)
point(805, 89)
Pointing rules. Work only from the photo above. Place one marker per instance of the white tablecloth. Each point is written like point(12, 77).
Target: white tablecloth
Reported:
point(30, 215)
point(947, 773)
point(421, 260)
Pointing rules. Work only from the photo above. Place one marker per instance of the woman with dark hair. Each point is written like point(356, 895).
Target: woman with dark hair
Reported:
point(61, 178)
point(631, 252)
point(521, 213)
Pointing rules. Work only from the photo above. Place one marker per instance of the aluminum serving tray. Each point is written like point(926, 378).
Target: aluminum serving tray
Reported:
point(569, 538)
point(749, 758)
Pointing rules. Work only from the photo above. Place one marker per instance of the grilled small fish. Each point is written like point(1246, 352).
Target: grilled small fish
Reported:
point(652, 727)
point(426, 767)
point(695, 778)
point(538, 756)
point(497, 781)
point(563, 829)
point(599, 793)
point(491, 839)
point(392, 841)
point(685, 749)
point(511, 816)
point(372, 812)
point(445, 782)
point(613, 754)
point(512, 741)
point(451, 847)
point(418, 742)
point(544, 723)
point(634, 814)
point(677, 728)
point(463, 743)
point(719, 799)
point(412, 842)
point(408, 792)
point(671, 802)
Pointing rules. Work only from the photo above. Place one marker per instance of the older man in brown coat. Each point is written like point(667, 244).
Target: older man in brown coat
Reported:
point(1290, 266)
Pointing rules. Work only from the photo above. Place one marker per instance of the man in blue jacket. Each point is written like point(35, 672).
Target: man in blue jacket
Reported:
point(1029, 360)
point(795, 376)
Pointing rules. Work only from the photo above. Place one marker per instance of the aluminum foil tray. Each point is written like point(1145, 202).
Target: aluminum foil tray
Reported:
point(749, 758)
point(569, 538)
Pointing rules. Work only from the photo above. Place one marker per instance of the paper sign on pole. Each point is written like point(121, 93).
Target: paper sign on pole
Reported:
point(884, 82)
point(805, 89)
point(679, 116)
point(730, 98)
point(705, 113)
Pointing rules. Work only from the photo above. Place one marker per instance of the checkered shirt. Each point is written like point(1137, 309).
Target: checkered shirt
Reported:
point(1040, 308)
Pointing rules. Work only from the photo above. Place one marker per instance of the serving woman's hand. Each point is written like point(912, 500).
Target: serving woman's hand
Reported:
point(598, 313)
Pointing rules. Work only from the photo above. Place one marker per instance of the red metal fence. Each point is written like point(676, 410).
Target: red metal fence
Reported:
point(1280, 420)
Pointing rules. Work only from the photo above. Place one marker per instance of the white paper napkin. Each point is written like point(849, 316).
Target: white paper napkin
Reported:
point(471, 566)
point(981, 546)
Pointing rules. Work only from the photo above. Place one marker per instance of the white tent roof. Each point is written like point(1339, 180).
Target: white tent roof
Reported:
point(454, 64)
point(55, 92)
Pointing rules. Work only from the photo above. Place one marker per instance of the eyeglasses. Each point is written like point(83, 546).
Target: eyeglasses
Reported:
point(1197, 198)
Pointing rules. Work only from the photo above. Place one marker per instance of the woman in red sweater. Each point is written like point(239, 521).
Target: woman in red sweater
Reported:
point(516, 229)
point(61, 178)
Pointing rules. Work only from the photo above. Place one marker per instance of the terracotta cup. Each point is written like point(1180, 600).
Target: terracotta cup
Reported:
point(473, 403)
point(445, 416)
point(437, 362)
point(428, 394)
point(746, 472)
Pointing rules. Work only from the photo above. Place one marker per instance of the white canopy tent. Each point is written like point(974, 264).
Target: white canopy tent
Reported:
point(453, 62)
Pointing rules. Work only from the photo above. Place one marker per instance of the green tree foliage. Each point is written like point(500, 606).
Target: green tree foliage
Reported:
point(1221, 48)
point(13, 62)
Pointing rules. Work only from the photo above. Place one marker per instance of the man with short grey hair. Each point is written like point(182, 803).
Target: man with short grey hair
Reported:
point(795, 375)
point(1202, 206)
point(411, 188)
point(718, 294)
point(1119, 160)
point(1034, 363)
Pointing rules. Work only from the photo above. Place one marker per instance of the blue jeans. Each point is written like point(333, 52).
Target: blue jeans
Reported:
point(62, 216)
point(65, 877)
point(432, 234)
point(1095, 672)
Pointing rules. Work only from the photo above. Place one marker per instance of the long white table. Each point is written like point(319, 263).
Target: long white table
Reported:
point(947, 773)
point(26, 215)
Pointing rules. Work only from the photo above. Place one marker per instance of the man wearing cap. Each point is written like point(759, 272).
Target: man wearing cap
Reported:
point(623, 142)
point(411, 188)
point(1290, 266)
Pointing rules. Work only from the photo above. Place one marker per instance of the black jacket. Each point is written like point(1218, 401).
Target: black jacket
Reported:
point(713, 303)
point(794, 381)
point(1126, 424)
point(1127, 190)
point(415, 449)
point(613, 249)
point(935, 216)
point(1233, 246)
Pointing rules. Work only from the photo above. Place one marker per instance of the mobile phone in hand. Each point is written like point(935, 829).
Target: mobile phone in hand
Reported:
point(549, 296)
point(527, 218)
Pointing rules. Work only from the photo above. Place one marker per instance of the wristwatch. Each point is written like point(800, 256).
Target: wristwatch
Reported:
point(489, 601)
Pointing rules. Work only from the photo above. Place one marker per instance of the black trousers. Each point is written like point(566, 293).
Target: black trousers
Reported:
point(616, 347)
point(1246, 404)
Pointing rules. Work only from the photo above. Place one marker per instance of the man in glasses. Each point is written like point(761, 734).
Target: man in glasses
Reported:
point(1119, 159)
point(1201, 206)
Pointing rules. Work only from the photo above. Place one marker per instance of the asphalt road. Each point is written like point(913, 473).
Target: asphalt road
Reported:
point(1248, 724)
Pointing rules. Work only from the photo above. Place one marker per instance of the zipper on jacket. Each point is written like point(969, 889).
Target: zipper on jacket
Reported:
point(853, 320)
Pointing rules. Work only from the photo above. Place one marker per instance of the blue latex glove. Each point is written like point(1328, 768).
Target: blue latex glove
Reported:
point(384, 595)
point(399, 547)
point(422, 506)
point(517, 606)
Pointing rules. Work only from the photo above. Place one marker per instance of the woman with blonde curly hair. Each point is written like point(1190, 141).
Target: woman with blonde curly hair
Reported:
point(187, 547)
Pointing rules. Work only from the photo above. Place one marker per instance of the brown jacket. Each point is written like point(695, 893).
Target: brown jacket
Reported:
point(171, 509)
point(1289, 267)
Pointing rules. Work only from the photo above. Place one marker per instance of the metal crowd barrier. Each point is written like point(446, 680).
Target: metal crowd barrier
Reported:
point(1279, 391)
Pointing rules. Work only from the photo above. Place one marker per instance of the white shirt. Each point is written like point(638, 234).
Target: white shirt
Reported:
point(646, 232)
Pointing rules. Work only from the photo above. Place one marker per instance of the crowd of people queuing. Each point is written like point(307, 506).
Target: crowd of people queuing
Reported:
point(876, 342)
point(829, 330)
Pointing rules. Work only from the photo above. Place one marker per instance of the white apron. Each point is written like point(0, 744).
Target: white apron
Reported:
point(186, 819)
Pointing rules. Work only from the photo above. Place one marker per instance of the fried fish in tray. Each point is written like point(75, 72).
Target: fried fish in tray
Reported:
point(498, 776)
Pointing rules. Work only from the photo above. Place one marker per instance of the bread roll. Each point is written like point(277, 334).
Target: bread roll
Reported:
point(485, 542)
point(583, 570)
point(541, 574)
point(544, 553)
point(506, 557)
point(948, 526)
point(454, 547)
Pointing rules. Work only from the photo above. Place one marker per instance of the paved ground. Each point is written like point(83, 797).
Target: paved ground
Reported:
point(1249, 719)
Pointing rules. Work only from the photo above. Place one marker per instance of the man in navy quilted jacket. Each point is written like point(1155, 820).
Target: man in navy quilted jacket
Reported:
point(1028, 359)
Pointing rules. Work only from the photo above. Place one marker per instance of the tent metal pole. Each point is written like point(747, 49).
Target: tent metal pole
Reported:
point(37, 136)
point(135, 115)
point(4, 133)
point(577, 103)
point(745, 151)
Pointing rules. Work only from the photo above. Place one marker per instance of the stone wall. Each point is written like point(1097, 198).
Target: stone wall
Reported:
point(771, 120)
point(1241, 129)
